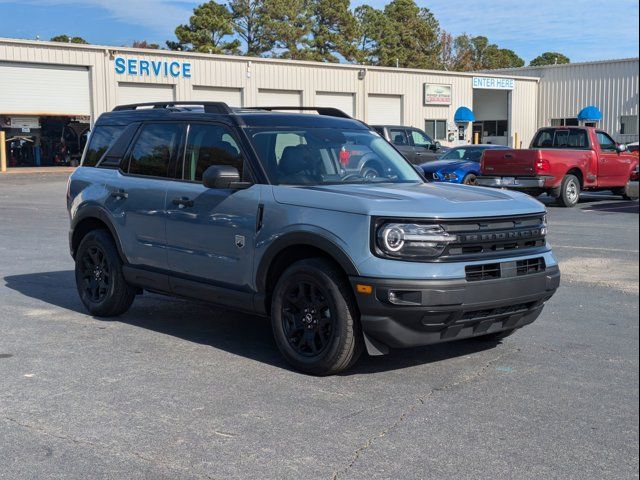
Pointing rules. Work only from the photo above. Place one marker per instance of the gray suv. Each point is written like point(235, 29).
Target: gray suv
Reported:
point(253, 209)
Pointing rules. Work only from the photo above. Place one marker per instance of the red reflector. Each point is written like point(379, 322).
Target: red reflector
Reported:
point(344, 157)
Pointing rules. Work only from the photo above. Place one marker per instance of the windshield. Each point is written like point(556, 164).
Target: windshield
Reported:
point(467, 153)
point(321, 156)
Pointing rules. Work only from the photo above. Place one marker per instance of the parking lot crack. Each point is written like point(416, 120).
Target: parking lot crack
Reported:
point(421, 400)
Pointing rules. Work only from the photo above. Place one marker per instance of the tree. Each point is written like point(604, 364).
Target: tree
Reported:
point(67, 39)
point(334, 31)
point(210, 30)
point(476, 53)
point(248, 19)
point(549, 58)
point(287, 27)
point(372, 27)
point(411, 39)
point(145, 44)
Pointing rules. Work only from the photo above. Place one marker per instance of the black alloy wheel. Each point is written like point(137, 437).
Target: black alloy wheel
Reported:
point(307, 319)
point(99, 278)
point(314, 318)
point(96, 276)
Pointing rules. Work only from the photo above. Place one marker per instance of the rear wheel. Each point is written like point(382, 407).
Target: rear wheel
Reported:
point(314, 318)
point(624, 192)
point(470, 179)
point(99, 277)
point(569, 191)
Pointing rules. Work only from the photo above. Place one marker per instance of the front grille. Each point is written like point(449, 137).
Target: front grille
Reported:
point(481, 238)
point(489, 271)
point(529, 266)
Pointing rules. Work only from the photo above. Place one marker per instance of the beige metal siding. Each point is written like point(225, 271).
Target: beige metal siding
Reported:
point(565, 89)
point(309, 82)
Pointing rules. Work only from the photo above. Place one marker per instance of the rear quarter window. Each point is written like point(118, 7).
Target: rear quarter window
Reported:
point(568, 138)
point(99, 142)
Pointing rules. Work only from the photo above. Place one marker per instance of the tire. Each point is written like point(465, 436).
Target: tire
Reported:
point(370, 171)
point(569, 191)
point(624, 192)
point(495, 337)
point(99, 279)
point(470, 179)
point(314, 318)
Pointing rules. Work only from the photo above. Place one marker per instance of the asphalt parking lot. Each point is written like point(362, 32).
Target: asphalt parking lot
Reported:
point(180, 390)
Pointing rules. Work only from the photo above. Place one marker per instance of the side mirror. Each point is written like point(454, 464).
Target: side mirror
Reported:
point(220, 176)
point(621, 147)
point(438, 146)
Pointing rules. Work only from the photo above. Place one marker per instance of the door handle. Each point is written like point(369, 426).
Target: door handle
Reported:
point(119, 194)
point(182, 202)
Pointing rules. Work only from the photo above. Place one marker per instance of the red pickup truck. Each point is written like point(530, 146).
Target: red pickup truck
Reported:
point(562, 161)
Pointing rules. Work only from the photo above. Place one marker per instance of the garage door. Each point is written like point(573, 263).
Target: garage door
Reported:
point(277, 98)
point(44, 89)
point(142, 93)
point(341, 101)
point(230, 96)
point(384, 110)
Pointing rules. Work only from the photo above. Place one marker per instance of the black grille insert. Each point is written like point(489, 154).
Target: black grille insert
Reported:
point(487, 271)
point(529, 266)
point(495, 312)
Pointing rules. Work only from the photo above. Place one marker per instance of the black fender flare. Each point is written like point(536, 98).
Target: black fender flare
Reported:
point(303, 239)
point(95, 211)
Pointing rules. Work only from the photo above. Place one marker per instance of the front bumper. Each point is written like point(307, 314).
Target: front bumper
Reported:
point(435, 311)
point(514, 182)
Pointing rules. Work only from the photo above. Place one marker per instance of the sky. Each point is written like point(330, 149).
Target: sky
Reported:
point(584, 30)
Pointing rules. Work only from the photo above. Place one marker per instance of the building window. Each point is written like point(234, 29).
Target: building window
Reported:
point(629, 125)
point(436, 129)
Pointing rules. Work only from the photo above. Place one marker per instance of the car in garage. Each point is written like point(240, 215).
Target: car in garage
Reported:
point(415, 145)
point(458, 165)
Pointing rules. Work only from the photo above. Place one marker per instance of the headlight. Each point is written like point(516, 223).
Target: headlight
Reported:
point(543, 226)
point(451, 177)
point(413, 241)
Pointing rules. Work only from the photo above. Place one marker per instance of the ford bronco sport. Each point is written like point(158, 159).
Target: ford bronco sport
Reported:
point(252, 209)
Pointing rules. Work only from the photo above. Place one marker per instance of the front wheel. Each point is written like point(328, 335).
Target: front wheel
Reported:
point(569, 191)
point(99, 279)
point(470, 179)
point(314, 318)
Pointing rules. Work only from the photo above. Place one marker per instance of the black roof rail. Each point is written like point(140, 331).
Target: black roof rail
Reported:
point(329, 111)
point(209, 107)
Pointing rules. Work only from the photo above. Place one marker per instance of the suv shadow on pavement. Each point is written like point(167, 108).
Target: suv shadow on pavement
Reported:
point(241, 334)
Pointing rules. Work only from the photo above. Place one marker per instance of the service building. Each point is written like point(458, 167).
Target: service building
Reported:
point(50, 93)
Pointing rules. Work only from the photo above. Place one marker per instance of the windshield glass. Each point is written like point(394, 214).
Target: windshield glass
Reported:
point(464, 153)
point(321, 156)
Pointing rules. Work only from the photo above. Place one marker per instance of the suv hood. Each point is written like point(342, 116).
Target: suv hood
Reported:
point(427, 200)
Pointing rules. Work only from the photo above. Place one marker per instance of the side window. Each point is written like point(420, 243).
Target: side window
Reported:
point(288, 139)
point(605, 141)
point(420, 139)
point(155, 148)
point(101, 139)
point(208, 145)
point(398, 136)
